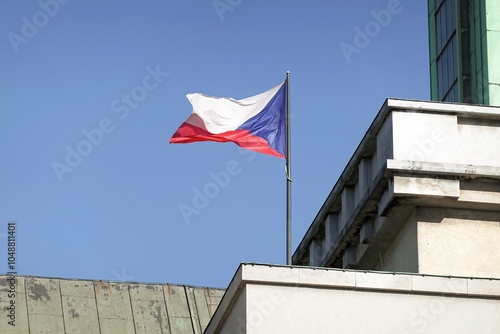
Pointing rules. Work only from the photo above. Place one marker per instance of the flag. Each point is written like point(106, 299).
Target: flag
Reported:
point(256, 123)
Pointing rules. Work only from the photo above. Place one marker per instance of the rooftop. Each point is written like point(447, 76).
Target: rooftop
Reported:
point(89, 306)
point(263, 298)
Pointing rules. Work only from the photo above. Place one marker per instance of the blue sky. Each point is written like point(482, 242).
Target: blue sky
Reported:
point(92, 91)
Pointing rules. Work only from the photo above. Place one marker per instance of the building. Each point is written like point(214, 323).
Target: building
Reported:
point(421, 194)
point(410, 230)
point(268, 299)
point(464, 45)
point(54, 306)
point(406, 242)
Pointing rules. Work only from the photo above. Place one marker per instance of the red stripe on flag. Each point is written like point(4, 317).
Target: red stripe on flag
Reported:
point(188, 133)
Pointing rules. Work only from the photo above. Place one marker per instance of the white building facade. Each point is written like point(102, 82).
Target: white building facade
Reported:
point(406, 242)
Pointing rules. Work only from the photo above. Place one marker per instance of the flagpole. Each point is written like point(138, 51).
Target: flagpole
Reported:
point(288, 175)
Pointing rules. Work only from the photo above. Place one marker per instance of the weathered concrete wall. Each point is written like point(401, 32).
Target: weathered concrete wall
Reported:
point(401, 254)
point(385, 147)
point(458, 242)
point(446, 241)
point(50, 305)
point(238, 323)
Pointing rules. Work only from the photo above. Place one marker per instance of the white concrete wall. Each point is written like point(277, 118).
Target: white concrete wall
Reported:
point(478, 142)
point(425, 137)
point(311, 310)
point(445, 139)
point(311, 300)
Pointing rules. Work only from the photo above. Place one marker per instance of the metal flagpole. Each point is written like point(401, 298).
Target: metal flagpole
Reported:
point(288, 175)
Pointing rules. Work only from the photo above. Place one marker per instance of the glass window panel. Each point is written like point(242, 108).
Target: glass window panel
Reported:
point(452, 95)
point(446, 76)
point(454, 57)
point(445, 23)
point(438, 3)
point(451, 67)
point(447, 18)
point(439, 44)
point(447, 68)
point(446, 65)
point(443, 28)
point(452, 15)
point(446, 98)
point(442, 76)
point(439, 79)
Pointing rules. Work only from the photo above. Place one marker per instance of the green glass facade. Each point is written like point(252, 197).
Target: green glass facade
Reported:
point(464, 41)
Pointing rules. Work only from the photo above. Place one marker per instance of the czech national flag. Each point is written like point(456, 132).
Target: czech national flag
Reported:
point(256, 123)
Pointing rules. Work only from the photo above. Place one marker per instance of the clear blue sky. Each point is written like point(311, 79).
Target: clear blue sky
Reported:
point(118, 72)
